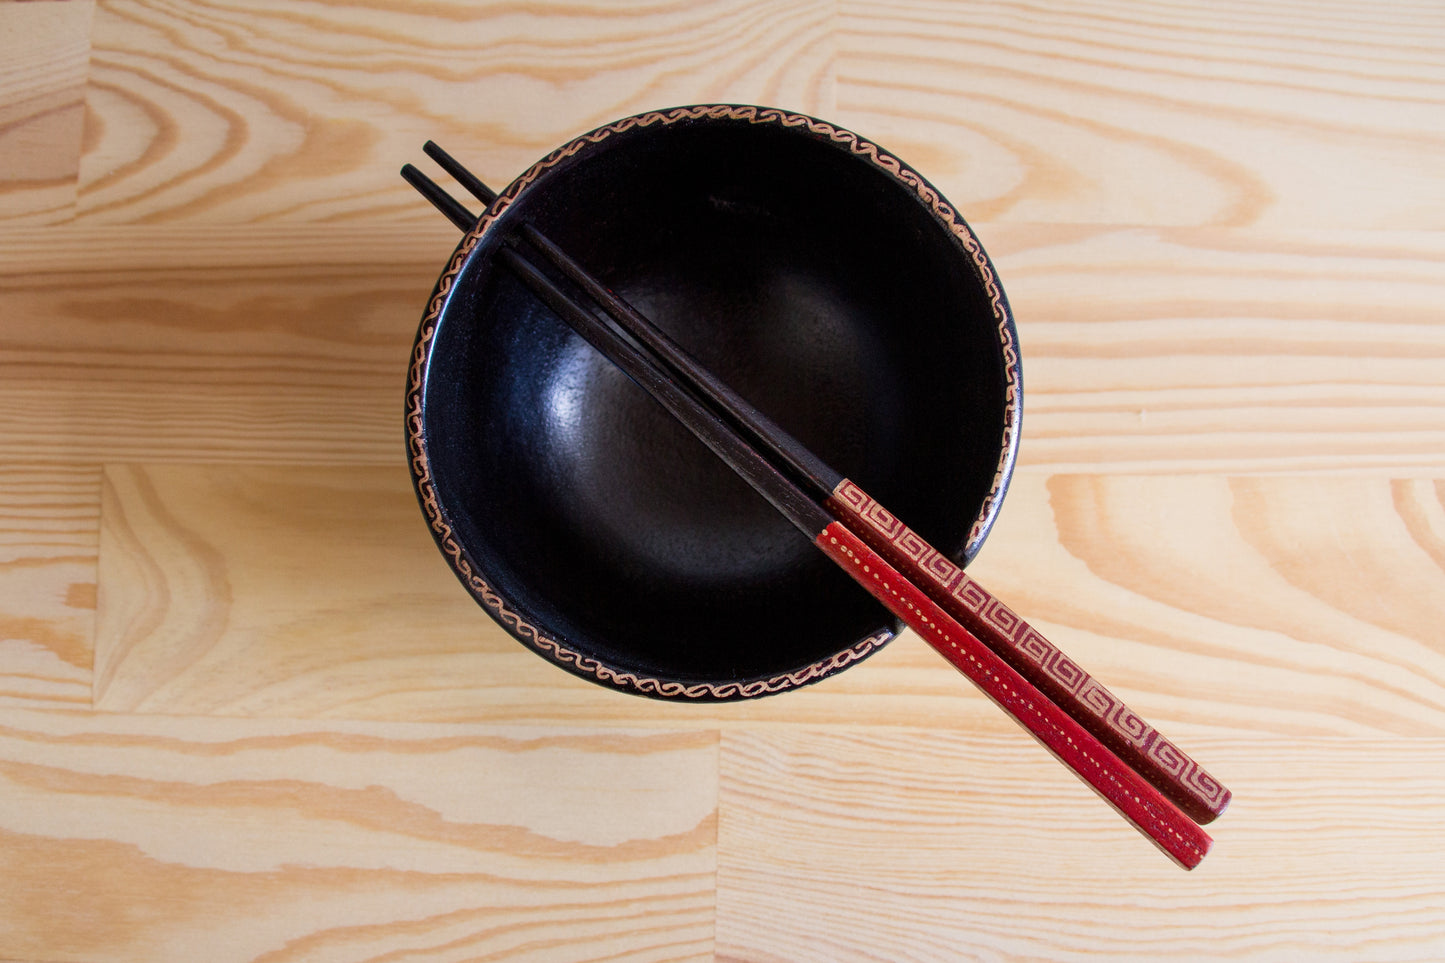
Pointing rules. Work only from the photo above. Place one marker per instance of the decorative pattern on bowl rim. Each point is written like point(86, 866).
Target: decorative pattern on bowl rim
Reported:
point(421, 354)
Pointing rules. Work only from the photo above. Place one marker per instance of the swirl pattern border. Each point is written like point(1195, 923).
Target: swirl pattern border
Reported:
point(425, 487)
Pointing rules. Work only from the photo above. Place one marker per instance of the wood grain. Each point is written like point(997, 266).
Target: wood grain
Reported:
point(49, 517)
point(44, 53)
point(1228, 351)
point(1285, 605)
point(127, 838)
point(272, 345)
point(1279, 603)
point(1220, 229)
point(318, 592)
point(1284, 115)
point(865, 844)
point(305, 115)
point(298, 591)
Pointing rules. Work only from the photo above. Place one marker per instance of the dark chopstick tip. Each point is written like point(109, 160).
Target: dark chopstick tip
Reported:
point(471, 182)
point(438, 198)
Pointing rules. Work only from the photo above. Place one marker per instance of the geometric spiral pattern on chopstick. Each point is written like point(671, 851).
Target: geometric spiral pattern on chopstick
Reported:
point(1126, 789)
point(891, 537)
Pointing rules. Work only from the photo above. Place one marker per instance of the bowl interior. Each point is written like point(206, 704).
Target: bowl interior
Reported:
point(818, 286)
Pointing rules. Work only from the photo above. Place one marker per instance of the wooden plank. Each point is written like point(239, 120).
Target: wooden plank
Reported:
point(1195, 113)
point(185, 839)
point(318, 592)
point(49, 533)
point(1144, 350)
point(44, 54)
point(260, 345)
point(1283, 605)
point(295, 591)
point(1228, 351)
point(868, 844)
point(306, 115)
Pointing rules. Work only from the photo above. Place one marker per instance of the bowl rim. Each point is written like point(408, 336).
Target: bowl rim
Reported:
point(438, 515)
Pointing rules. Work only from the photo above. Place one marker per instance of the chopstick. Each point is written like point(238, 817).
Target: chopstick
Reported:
point(440, 199)
point(1168, 768)
point(842, 522)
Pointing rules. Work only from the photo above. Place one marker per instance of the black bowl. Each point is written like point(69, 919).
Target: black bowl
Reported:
point(828, 283)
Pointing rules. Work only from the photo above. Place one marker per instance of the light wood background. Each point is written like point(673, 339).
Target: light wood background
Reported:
point(246, 713)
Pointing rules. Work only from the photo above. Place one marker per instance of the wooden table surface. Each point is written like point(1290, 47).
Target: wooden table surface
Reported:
point(247, 713)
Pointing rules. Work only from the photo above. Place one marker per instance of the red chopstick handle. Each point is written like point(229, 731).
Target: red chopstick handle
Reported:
point(1104, 714)
point(1136, 800)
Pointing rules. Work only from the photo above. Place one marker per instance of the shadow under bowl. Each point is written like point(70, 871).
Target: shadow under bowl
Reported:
point(826, 282)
